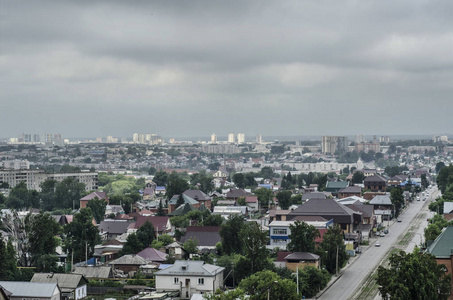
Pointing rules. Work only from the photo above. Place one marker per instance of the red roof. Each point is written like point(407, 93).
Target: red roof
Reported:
point(99, 195)
point(282, 254)
point(321, 233)
point(203, 228)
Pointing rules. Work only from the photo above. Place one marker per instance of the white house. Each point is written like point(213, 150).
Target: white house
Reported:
point(189, 277)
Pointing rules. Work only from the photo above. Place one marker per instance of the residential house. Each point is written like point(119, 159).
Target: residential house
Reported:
point(129, 263)
point(91, 196)
point(279, 231)
point(350, 191)
point(300, 260)
point(24, 290)
point(397, 180)
point(368, 218)
point(160, 190)
point(235, 194)
point(335, 186)
point(226, 211)
point(441, 248)
point(94, 272)
point(383, 207)
point(175, 250)
point(110, 229)
point(206, 236)
point(72, 286)
point(316, 195)
point(329, 209)
point(153, 255)
point(375, 183)
point(4, 294)
point(278, 214)
point(162, 224)
point(189, 277)
point(252, 202)
point(186, 200)
point(199, 196)
point(113, 209)
point(109, 250)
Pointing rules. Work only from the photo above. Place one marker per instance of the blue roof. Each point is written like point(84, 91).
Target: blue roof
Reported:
point(266, 186)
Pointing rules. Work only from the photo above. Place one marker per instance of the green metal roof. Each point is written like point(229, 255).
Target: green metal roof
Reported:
point(442, 246)
point(334, 186)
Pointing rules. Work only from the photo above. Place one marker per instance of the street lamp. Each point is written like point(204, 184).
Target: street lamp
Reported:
point(269, 290)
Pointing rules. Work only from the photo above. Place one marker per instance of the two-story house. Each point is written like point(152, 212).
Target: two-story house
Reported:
point(189, 277)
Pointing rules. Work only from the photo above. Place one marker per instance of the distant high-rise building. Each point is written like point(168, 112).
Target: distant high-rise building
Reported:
point(333, 144)
point(444, 138)
point(27, 138)
point(231, 138)
point(259, 139)
point(384, 139)
point(141, 138)
point(48, 139)
point(36, 138)
point(359, 138)
point(213, 138)
point(58, 140)
point(241, 138)
point(135, 138)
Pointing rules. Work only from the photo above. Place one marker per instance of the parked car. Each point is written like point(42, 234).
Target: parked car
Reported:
point(398, 220)
point(386, 231)
point(358, 250)
point(378, 244)
point(382, 234)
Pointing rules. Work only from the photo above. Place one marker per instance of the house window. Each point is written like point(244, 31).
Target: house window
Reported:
point(176, 280)
point(200, 280)
point(279, 231)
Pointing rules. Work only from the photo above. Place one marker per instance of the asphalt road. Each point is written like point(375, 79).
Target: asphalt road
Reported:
point(370, 259)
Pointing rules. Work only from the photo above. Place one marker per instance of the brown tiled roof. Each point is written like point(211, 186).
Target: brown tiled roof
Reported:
point(99, 195)
point(298, 256)
point(157, 221)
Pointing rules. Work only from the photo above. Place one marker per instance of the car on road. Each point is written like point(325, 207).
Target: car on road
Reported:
point(377, 244)
point(386, 231)
point(382, 234)
point(398, 220)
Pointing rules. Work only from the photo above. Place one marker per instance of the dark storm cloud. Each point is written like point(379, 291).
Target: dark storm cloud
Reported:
point(88, 68)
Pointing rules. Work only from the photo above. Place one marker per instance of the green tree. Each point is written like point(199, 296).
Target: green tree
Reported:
point(152, 171)
point(413, 276)
point(69, 192)
point(213, 220)
point(439, 166)
point(302, 237)
point(445, 178)
point(42, 242)
point(176, 185)
point(229, 234)
point(424, 181)
point(80, 235)
point(268, 285)
point(331, 247)
point(190, 246)
point(254, 243)
point(312, 280)
point(236, 294)
point(239, 180)
point(358, 177)
point(146, 234)
point(20, 197)
point(160, 209)
point(397, 199)
point(267, 173)
point(7, 261)
point(97, 207)
point(48, 196)
point(132, 245)
point(265, 196)
point(284, 199)
point(160, 178)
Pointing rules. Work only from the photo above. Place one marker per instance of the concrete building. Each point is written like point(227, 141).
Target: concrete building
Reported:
point(189, 277)
point(34, 178)
point(16, 164)
point(332, 144)
point(241, 138)
point(213, 138)
point(259, 139)
point(231, 138)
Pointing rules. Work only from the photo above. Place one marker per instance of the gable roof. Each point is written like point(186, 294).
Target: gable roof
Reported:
point(159, 222)
point(328, 209)
point(207, 236)
point(236, 193)
point(182, 210)
point(336, 185)
point(151, 254)
point(381, 200)
point(93, 272)
point(374, 178)
point(186, 199)
point(318, 195)
point(114, 226)
point(443, 245)
point(307, 256)
point(351, 189)
point(196, 195)
point(99, 195)
point(366, 210)
point(66, 282)
point(448, 207)
point(129, 259)
point(190, 268)
point(30, 289)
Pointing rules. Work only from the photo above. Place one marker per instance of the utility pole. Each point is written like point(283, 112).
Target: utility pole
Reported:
point(337, 260)
point(297, 276)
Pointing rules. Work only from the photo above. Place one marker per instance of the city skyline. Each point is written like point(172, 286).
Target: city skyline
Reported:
point(104, 68)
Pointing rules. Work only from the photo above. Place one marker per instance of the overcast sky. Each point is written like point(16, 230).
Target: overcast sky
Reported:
point(191, 68)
